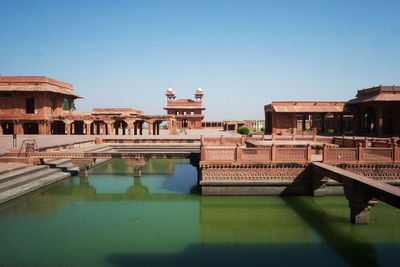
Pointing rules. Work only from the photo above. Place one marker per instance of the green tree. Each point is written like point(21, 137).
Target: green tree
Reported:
point(65, 105)
point(243, 130)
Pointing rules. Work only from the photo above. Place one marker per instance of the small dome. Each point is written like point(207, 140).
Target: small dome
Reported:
point(170, 91)
point(199, 91)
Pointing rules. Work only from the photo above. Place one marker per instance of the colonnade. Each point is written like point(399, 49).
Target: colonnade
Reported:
point(84, 127)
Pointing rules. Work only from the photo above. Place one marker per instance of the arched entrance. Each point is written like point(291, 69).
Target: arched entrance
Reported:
point(7, 127)
point(138, 127)
point(98, 127)
point(120, 127)
point(30, 128)
point(77, 127)
point(369, 124)
point(57, 127)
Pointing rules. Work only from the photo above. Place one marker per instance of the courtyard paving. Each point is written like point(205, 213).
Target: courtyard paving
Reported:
point(6, 141)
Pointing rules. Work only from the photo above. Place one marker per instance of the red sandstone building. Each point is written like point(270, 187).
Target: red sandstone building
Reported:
point(301, 117)
point(34, 105)
point(374, 112)
point(187, 112)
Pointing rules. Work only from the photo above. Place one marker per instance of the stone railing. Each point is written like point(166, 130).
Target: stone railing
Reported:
point(343, 141)
point(239, 154)
point(361, 154)
point(218, 141)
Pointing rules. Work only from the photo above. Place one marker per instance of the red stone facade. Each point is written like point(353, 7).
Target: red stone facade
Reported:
point(187, 112)
point(286, 118)
point(34, 105)
point(374, 112)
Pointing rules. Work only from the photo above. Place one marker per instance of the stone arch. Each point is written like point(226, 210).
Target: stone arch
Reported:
point(98, 127)
point(369, 120)
point(30, 128)
point(57, 127)
point(120, 127)
point(78, 127)
point(138, 127)
point(7, 127)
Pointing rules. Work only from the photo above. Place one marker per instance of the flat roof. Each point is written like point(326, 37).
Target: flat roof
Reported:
point(35, 84)
point(306, 107)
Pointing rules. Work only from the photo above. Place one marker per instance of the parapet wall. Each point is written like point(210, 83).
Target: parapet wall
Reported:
point(229, 167)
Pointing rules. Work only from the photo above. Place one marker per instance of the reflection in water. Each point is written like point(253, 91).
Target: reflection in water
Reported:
point(115, 219)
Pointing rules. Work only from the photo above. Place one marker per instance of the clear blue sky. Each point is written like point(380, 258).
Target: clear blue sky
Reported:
point(244, 54)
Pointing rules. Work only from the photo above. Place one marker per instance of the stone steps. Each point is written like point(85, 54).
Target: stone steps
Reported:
point(64, 165)
point(21, 172)
point(18, 183)
point(26, 178)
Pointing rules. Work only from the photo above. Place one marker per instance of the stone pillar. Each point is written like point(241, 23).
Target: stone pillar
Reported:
point(303, 122)
point(87, 128)
point(68, 128)
point(294, 123)
point(83, 165)
point(141, 128)
point(72, 128)
point(129, 130)
point(314, 123)
point(150, 127)
point(323, 122)
point(359, 205)
point(42, 128)
point(135, 126)
point(379, 121)
point(336, 123)
point(158, 128)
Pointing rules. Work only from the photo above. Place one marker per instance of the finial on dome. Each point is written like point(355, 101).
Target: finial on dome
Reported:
point(199, 90)
point(170, 91)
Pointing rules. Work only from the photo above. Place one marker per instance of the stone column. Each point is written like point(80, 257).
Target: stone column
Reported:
point(358, 203)
point(336, 123)
point(135, 126)
point(379, 121)
point(322, 122)
point(314, 123)
point(294, 123)
point(68, 128)
point(42, 128)
point(141, 128)
point(303, 123)
point(158, 128)
point(150, 125)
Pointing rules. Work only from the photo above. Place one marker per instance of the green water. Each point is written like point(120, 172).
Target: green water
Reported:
point(114, 219)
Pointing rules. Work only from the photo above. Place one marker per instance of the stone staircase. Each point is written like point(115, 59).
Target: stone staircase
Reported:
point(21, 181)
point(65, 165)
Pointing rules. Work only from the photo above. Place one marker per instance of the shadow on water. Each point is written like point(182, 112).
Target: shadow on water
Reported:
point(355, 251)
point(225, 255)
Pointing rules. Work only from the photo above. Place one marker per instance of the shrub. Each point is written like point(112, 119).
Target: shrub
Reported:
point(262, 129)
point(243, 130)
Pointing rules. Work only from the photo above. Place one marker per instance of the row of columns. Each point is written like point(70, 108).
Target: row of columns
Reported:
point(103, 128)
point(88, 127)
point(337, 122)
